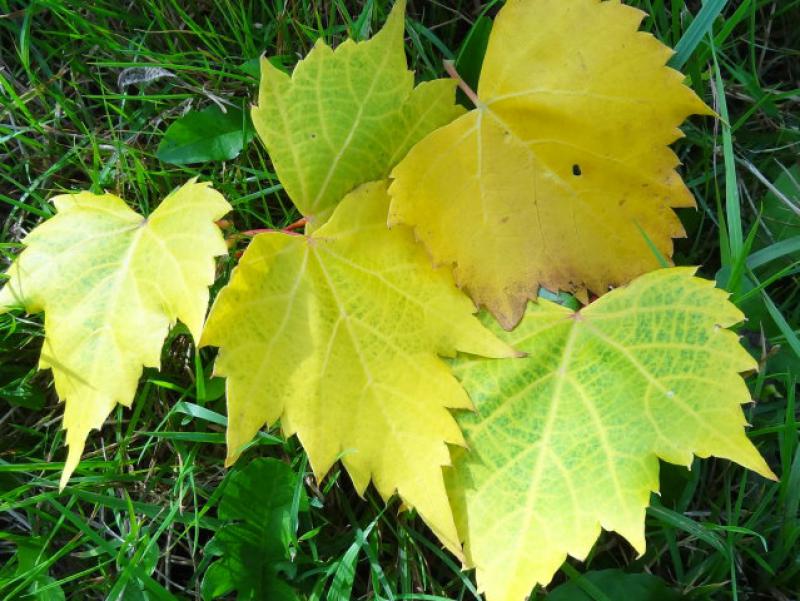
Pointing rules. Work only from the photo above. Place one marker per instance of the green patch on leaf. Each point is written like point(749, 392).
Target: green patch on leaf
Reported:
point(207, 135)
point(259, 511)
point(346, 116)
point(29, 568)
point(781, 205)
point(614, 585)
point(567, 440)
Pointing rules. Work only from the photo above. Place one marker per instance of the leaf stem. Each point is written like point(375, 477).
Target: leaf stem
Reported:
point(297, 224)
point(450, 67)
point(289, 229)
point(256, 232)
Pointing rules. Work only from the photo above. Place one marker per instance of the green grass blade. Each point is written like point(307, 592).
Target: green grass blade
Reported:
point(701, 25)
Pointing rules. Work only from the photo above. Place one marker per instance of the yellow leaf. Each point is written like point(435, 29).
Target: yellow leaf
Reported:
point(346, 116)
point(111, 283)
point(338, 335)
point(549, 180)
point(567, 440)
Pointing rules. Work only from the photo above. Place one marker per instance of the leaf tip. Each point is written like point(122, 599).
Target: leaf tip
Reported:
point(760, 466)
point(73, 458)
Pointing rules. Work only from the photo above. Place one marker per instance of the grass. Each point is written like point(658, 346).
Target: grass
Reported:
point(135, 521)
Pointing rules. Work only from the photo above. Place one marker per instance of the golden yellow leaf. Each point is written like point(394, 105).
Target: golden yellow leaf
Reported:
point(339, 334)
point(111, 283)
point(562, 165)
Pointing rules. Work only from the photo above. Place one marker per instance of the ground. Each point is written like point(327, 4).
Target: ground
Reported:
point(77, 111)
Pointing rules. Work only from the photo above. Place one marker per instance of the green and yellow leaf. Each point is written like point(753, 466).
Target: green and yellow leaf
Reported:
point(346, 116)
point(339, 334)
point(551, 180)
point(567, 440)
point(111, 283)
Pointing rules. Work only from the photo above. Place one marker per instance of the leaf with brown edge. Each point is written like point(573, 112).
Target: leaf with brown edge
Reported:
point(551, 180)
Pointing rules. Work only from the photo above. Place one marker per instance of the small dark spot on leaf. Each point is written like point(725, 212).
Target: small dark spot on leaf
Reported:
point(576, 169)
point(313, 136)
